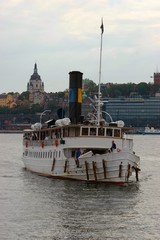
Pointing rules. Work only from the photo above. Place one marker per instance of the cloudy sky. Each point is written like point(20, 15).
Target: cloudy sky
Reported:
point(64, 35)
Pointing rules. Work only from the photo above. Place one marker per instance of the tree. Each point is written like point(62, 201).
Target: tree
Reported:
point(142, 88)
point(89, 87)
point(24, 96)
point(5, 109)
point(36, 108)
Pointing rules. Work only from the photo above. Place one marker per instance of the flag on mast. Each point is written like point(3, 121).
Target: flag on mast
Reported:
point(102, 27)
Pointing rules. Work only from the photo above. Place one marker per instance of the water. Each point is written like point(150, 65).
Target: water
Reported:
point(35, 207)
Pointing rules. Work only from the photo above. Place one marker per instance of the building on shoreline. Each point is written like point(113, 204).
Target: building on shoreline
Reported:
point(7, 100)
point(136, 112)
point(35, 87)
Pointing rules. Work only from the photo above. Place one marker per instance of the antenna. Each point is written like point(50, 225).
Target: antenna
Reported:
point(100, 66)
point(157, 69)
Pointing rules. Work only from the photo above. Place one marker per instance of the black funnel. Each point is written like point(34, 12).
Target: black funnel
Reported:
point(75, 96)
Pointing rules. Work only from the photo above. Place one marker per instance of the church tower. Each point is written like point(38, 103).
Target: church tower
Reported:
point(157, 78)
point(35, 87)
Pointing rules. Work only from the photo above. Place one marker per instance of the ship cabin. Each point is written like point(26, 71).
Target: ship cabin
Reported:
point(73, 131)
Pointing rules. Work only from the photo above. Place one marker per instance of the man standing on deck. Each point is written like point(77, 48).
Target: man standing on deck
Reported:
point(113, 146)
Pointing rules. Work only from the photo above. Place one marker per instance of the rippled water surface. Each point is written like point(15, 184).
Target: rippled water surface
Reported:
point(34, 207)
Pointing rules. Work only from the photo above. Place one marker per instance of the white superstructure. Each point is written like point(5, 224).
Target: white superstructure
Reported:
point(81, 152)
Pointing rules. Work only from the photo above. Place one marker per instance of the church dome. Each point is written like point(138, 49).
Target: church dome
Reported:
point(35, 75)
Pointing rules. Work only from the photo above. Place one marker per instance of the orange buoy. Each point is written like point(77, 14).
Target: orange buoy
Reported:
point(42, 144)
point(56, 142)
point(26, 144)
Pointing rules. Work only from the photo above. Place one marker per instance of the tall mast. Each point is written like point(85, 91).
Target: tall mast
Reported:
point(99, 86)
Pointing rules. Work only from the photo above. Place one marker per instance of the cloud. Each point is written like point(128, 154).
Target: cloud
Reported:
point(65, 35)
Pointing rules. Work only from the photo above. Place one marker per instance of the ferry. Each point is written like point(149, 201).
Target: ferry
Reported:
point(150, 131)
point(75, 148)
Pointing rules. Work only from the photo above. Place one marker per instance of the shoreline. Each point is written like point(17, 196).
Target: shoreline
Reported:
point(11, 131)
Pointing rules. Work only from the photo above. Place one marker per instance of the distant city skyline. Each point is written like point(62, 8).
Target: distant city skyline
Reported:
point(63, 36)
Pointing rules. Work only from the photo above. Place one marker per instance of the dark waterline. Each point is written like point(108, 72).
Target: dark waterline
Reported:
point(35, 207)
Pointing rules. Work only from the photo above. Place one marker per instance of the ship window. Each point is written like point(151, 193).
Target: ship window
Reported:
point(73, 153)
point(65, 132)
point(72, 132)
point(50, 154)
point(101, 131)
point(59, 154)
point(109, 132)
point(77, 133)
point(93, 131)
point(84, 131)
point(117, 132)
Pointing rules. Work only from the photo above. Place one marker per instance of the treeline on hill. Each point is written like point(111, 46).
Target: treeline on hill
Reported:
point(130, 90)
point(55, 100)
point(110, 90)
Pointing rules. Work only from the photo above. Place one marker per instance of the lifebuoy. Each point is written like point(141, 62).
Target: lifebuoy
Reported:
point(26, 144)
point(118, 149)
point(42, 144)
point(56, 142)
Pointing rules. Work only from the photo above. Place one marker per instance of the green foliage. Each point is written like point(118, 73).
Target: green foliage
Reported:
point(89, 87)
point(36, 108)
point(51, 105)
point(59, 94)
point(5, 110)
point(129, 89)
point(142, 88)
point(24, 96)
point(53, 101)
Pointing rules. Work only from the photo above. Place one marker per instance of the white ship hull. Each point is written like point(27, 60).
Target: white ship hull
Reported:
point(89, 149)
point(98, 163)
point(103, 169)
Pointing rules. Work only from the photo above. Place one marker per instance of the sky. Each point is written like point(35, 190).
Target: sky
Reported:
point(64, 35)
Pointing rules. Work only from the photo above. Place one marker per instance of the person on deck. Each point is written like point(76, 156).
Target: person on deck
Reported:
point(78, 154)
point(113, 146)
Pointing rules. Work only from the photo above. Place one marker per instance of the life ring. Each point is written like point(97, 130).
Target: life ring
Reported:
point(42, 144)
point(118, 149)
point(56, 142)
point(26, 144)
